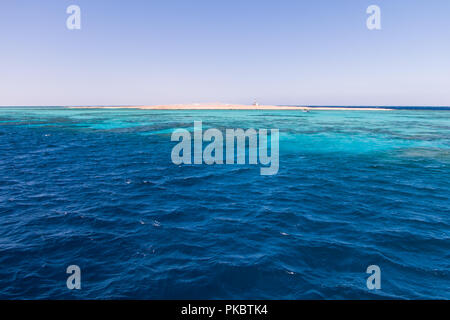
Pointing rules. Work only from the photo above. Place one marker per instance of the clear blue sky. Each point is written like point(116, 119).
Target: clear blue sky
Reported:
point(280, 52)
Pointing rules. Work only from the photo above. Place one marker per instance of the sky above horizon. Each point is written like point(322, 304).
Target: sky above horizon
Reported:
point(291, 52)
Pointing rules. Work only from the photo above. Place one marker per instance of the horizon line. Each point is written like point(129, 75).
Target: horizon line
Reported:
point(277, 105)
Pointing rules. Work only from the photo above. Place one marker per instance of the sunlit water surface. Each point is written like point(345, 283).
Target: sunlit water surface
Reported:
point(97, 188)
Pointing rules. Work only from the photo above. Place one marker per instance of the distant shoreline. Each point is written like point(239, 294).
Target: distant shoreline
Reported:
point(229, 107)
point(242, 107)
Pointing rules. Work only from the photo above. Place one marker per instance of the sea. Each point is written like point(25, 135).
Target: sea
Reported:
point(96, 188)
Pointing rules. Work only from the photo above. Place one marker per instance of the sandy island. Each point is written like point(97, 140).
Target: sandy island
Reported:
point(224, 106)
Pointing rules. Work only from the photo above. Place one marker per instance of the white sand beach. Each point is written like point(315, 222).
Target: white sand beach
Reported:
point(225, 106)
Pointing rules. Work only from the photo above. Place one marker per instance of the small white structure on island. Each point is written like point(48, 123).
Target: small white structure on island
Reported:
point(256, 103)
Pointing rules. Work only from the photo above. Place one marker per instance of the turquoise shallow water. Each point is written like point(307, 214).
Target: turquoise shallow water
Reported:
point(97, 188)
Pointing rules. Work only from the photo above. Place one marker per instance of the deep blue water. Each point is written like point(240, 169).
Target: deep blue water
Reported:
point(97, 188)
point(442, 108)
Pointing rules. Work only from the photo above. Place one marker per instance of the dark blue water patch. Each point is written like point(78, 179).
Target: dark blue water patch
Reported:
point(420, 108)
point(99, 190)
